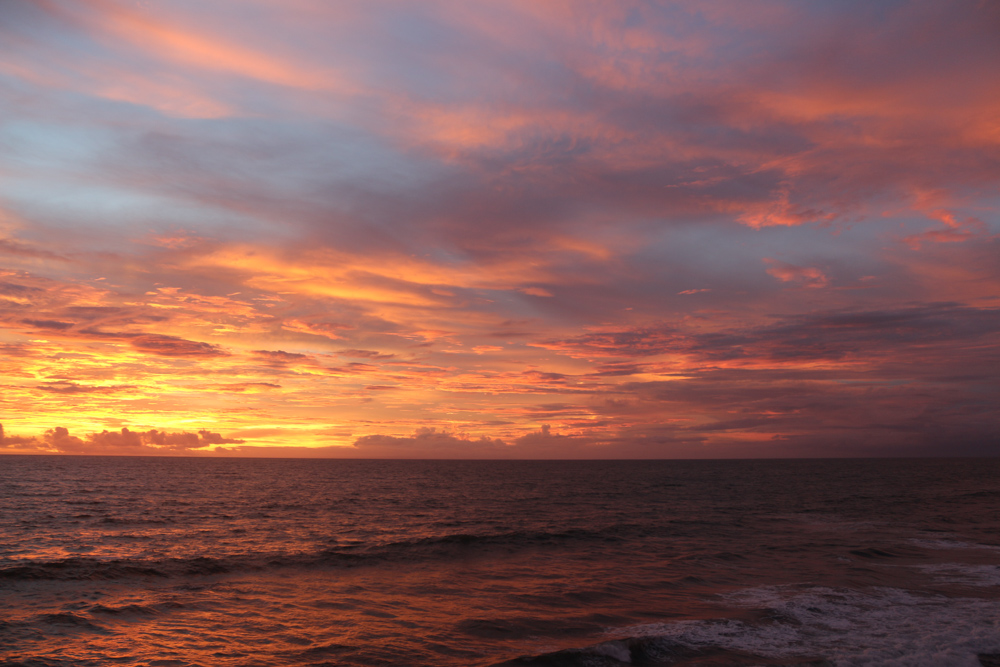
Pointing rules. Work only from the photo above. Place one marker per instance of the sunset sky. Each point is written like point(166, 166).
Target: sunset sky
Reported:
point(500, 229)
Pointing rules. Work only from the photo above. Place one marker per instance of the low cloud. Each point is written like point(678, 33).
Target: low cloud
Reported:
point(15, 441)
point(58, 440)
point(430, 443)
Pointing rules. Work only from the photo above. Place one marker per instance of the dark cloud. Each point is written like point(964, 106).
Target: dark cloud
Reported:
point(279, 355)
point(66, 387)
point(896, 379)
point(241, 387)
point(172, 346)
point(280, 360)
point(356, 367)
point(639, 343)
point(945, 328)
point(154, 440)
point(49, 324)
point(18, 249)
point(365, 354)
point(185, 440)
point(541, 444)
point(123, 442)
point(59, 439)
point(210, 438)
point(820, 335)
point(11, 350)
point(17, 290)
point(430, 443)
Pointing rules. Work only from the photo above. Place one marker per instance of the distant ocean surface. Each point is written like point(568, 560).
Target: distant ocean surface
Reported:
point(157, 562)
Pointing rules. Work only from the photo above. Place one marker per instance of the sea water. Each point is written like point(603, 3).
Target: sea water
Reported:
point(184, 561)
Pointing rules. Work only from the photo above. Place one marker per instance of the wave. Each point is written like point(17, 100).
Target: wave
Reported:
point(80, 568)
point(658, 652)
point(808, 626)
point(419, 549)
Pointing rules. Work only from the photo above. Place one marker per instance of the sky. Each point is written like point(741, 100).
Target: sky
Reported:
point(500, 229)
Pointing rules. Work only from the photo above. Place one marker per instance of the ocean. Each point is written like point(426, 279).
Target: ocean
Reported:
point(217, 562)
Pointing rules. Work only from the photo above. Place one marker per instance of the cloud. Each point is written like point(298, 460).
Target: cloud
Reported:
point(124, 442)
point(152, 441)
point(238, 272)
point(807, 276)
point(279, 360)
point(703, 125)
point(536, 291)
point(635, 343)
point(246, 387)
point(365, 354)
point(430, 443)
point(49, 324)
point(172, 346)
point(543, 443)
point(19, 249)
point(66, 387)
point(892, 380)
point(955, 231)
point(947, 328)
point(324, 329)
point(17, 293)
point(59, 439)
point(280, 356)
point(16, 441)
point(185, 440)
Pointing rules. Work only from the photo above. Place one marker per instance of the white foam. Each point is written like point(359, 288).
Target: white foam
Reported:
point(952, 544)
point(614, 650)
point(885, 627)
point(963, 574)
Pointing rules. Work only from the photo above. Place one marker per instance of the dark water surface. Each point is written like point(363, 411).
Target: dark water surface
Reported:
point(142, 561)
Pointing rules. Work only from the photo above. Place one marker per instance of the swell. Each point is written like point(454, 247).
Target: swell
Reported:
point(415, 550)
point(657, 652)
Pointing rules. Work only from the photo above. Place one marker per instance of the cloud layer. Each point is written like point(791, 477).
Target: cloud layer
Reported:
point(507, 229)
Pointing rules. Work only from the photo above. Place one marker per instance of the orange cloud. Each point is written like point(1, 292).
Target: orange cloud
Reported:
point(187, 46)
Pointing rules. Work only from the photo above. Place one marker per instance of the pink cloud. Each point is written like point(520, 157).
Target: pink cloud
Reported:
point(806, 276)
